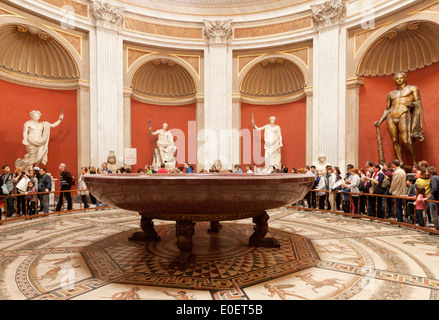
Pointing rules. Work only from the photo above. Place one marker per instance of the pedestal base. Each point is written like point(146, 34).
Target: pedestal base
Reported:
point(184, 231)
point(148, 232)
point(258, 239)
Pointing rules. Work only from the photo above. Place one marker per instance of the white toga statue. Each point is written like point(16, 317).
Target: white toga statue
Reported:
point(36, 139)
point(273, 143)
point(166, 146)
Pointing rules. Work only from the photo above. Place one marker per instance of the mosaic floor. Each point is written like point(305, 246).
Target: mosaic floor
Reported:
point(87, 256)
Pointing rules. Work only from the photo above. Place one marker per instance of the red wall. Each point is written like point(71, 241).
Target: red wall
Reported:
point(177, 117)
point(373, 96)
point(17, 102)
point(291, 117)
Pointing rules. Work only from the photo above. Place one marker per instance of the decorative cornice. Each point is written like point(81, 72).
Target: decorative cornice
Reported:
point(107, 15)
point(218, 31)
point(328, 13)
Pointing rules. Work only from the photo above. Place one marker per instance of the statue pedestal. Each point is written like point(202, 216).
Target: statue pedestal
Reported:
point(156, 164)
point(52, 195)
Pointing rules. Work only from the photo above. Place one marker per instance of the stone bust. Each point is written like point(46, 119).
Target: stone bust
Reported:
point(112, 163)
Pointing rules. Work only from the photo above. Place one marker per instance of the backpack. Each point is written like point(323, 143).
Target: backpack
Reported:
point(386, 182)
point(73, 180)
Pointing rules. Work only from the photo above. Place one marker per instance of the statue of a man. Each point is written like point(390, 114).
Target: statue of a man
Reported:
point(165, 144)
point(404, 115)
point(273, 143)
point(36, 139)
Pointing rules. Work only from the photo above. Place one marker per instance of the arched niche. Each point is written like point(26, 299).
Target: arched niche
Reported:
point(163, 81)
point(182, 81)
point(383, 36)
point(405, 47)
point(274, 86)
point(162, 89)
point(34, 55)
point(273, 79)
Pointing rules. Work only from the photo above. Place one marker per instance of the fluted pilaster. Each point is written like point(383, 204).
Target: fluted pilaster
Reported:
point(218, 109)
point(329, 82)
point(108, 104)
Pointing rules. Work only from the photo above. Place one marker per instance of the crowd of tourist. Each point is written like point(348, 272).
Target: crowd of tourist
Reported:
point(384, 191)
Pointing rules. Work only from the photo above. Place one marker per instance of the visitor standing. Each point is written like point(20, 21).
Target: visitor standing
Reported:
point(8, 179)
point(31, 197)
point(66, 184)
point(188, 168)
point(420, 204)
point(44, 185)
point(434, 195)
point(162, 168)
point(82, 188)
point(398, 188)
point(376, 202)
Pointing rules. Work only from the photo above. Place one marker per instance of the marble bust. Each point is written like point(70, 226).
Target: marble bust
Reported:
point(321, 163)
point(36, 140)
point(112, 164)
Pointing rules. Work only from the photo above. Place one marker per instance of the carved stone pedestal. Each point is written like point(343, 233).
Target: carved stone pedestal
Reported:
point(148, 232)
point(258, 239)
point(184, 232)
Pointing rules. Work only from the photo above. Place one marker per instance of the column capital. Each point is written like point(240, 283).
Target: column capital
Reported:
point(328, 13)
point(107, 15)
point(218, 31)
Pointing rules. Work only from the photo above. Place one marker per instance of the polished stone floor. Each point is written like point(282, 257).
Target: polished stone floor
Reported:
point(87, 256)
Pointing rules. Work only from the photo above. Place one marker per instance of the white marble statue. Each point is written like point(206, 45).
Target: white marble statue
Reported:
point(321, 163)
point(273, 143)
point(166, 146)
point(36, 139)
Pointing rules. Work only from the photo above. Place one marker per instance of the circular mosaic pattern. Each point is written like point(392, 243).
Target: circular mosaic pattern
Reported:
point(223, 260)
point(87, 256)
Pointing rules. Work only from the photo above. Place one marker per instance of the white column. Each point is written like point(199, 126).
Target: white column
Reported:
point(329, 82)
point(218, 109)
point(107, 114)
point(353, 120)
point(83, 114)
point(309, 124)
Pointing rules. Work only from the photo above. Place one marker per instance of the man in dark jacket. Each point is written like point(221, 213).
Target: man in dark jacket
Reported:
point(66, 185)
point(44, 185)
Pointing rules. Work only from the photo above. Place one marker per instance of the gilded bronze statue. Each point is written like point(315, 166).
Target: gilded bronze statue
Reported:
point(404, 115)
